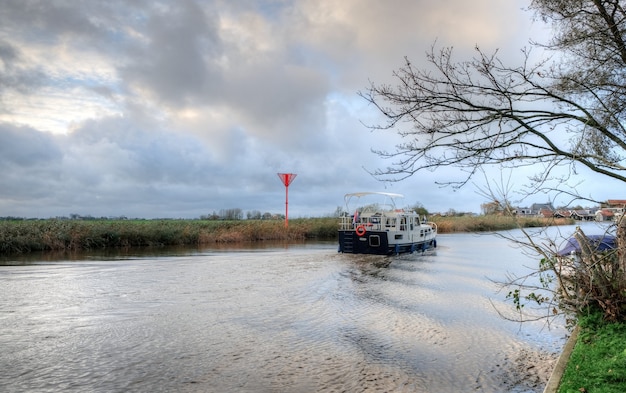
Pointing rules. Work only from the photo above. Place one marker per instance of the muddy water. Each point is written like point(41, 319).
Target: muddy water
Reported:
point(298, 318)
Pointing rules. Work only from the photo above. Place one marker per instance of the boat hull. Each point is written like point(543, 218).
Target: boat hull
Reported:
point(377, 243)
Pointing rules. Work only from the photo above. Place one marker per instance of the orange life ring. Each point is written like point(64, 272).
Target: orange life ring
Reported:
point(360, 230)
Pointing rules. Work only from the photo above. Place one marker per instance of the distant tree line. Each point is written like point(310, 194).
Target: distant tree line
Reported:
point(237, 214)
point(222, 214)
point(232, 214)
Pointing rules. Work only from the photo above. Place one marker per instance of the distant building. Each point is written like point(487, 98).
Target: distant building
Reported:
point(563, 213)
point(546, 213)
point(604, 215)
point(536, 210)
point(615, 204)
point(583, 215)
point(612, 209)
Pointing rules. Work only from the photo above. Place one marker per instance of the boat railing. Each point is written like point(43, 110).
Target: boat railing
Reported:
point(379, 223)
point(370, 223)
point(346, 223)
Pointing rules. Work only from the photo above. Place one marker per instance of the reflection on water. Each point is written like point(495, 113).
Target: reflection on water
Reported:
point(283, 318)
point(39, 257)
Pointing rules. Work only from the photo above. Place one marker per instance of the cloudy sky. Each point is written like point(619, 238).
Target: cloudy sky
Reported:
point(181, 108)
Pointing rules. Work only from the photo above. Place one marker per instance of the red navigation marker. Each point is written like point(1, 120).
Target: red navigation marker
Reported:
point(287, 178)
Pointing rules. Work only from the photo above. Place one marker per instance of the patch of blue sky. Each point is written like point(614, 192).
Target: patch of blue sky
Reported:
point(309, 57)
point(93, 82)
point(272, 10)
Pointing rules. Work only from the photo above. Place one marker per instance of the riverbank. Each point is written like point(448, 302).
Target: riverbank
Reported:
point(597, 362)
point(23, 236)
point(493, 223)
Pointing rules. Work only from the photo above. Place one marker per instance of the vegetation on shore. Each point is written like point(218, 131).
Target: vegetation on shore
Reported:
point(23, 236)
point(488, 223)
point(598, 361)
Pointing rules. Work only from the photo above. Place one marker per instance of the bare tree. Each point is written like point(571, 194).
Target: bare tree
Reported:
point(231, 214)
point(563, 111)
point(483, 112)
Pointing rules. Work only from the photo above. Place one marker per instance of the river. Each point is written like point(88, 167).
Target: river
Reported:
point(276, 318)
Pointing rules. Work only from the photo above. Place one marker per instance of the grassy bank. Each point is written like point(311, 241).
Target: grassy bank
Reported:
point(22, 236)
point(598, 362)
point(493, 223)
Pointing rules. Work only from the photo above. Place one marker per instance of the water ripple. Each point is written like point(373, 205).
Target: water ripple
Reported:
point(282, 320)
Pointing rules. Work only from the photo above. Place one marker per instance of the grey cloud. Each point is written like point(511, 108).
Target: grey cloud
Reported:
point(26, 147)
point(17, 73)
point(29, 164)
point(51, 21)
point(199, 103)
point(122, 150)
point(178, 61)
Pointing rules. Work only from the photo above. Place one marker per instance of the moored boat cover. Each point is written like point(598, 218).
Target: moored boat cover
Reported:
point(597, 242)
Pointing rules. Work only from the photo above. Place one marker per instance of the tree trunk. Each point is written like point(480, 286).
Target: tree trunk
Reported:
point(621, 244)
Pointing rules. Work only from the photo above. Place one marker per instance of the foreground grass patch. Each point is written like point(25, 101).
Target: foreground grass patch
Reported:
point(598, 361)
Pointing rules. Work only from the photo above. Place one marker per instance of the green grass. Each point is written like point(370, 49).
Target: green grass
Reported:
point(598, 361)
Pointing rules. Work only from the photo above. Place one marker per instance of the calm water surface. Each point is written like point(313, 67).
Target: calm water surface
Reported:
point(298, 318)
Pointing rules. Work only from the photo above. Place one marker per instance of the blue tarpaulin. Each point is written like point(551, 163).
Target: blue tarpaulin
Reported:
point(597, 243)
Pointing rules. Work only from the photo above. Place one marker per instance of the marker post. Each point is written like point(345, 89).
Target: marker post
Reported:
point(287, 178)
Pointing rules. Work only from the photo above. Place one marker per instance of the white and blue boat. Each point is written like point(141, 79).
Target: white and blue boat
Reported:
point(372, 226)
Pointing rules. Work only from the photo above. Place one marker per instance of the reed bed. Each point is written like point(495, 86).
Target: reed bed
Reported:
point(494, 223)
point(23, 236)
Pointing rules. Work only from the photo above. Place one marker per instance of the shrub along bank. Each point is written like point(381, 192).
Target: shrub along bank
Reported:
point(22, 236)
point(489, 223)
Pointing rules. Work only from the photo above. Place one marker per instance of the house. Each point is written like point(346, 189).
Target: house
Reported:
point(563, 214)
point(546, 213)
point(541, 208)
point(615, 204)
point(612, 209)
point(536, 209)
point(604, 215)
point(583, 215)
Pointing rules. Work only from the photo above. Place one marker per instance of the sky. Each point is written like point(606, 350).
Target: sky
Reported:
point(177, 109)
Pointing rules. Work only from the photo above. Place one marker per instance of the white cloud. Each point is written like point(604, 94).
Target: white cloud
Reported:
point(161, 109)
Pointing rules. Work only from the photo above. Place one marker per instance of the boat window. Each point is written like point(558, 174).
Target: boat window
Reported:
point(374, 241)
